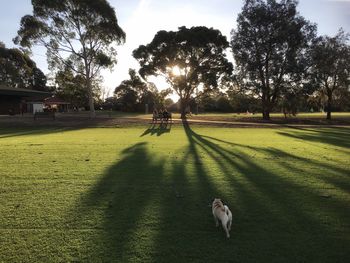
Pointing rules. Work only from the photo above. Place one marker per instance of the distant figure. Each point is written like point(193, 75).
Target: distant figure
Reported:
point(155, 115)
point(188, 111)
point(165, 113)
point(22, 108)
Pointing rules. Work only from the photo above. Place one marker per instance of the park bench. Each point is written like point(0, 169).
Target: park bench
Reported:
point(163, 117)
point(44, 114)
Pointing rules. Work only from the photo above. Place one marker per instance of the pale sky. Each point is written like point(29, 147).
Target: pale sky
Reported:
point(142, 19)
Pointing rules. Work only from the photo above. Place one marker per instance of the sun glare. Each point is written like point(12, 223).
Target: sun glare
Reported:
point(176, 71)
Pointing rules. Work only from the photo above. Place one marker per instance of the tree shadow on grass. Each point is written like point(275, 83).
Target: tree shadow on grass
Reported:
point(339, 137)
point(274, 216)
point(139, 212)
point(120, 209)
point(157, 129)
point(25, 131)
point(134, 205)
point(186, 223)
point(334, 176)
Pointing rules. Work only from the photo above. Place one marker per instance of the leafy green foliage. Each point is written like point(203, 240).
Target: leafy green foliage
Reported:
point(134, 93)
point(78, 34)
point(71, 88)
point(330, 70)
point(197, 54)
point(131, 92)
point(18, 70)
point(270, 49)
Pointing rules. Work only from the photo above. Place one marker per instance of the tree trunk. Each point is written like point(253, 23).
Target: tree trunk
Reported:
point(89, 87)
point(266, 115)
point(265, 109)
point(91, 98)
point(329, 104)
point(183, 106)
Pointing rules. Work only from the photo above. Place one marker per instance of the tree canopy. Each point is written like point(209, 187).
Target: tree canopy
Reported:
point(270, 48)
point(71, 87)
point(188, 59)
point(18, 70)
point(330, 70)
point(76, 33)
point(132, 94)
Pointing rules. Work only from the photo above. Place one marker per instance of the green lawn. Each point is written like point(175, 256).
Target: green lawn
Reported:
point(233, 116)
point(279, 115)
point(141, 195)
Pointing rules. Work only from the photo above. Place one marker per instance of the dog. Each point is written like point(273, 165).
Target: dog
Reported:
point(222, 212)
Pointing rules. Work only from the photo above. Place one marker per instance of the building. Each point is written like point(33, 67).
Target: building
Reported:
point(56, 104)
point(17, 101)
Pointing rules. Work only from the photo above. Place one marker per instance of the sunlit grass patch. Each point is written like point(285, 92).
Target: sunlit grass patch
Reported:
point(122, 194)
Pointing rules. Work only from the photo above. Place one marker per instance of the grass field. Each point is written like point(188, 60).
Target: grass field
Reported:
point(139, 194)
point(219, 115)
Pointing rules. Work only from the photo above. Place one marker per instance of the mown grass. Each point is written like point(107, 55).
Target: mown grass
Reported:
point(233, 116)
point(141, 194)
point(278, 115)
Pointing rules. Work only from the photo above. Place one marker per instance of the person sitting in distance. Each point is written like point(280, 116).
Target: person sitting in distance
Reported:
point(155, 115)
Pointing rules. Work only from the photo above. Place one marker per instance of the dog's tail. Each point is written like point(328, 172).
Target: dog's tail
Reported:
point(227, 211)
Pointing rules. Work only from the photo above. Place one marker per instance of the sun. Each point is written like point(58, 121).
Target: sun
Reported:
point(176, 71)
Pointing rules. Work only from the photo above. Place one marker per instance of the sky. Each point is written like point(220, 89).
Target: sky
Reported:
point(142, 19)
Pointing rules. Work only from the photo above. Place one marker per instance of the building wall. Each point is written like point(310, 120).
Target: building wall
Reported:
point(38, 107)
point(10, 104)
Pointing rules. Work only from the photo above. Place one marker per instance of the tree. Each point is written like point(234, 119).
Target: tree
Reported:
point(215, 100)
point(331, 66)
point(159, 97)
point(188, 59)
point(78, 34)
point(270, 48)
point(132, 94)
point(71, 87)
point(18, 70)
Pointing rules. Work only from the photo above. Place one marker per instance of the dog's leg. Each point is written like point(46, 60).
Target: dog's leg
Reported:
point(229, 223)
point(224, 225)
point(216, 221)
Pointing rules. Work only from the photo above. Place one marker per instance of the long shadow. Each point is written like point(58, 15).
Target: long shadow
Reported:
point(274, 216)
point(24, 131)
point(124, 200)
point(121, 212)
point(139, 210)
point(333, 175)
point(339, 137)
point(157, 129)
point(186, 221)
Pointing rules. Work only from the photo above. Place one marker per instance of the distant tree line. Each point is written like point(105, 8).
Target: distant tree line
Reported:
point(279, 61)
point(18, 70)
point(79, 35)
point(280, 64)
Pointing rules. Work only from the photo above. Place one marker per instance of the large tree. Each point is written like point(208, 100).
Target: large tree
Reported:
point(132, 94)
point(18, 70)
point(71, 87)
point(331, 66)
point(188, 59)
point(79, 34)
point(270, 49)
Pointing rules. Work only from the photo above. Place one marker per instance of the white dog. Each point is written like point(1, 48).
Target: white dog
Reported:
point(222, 212)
